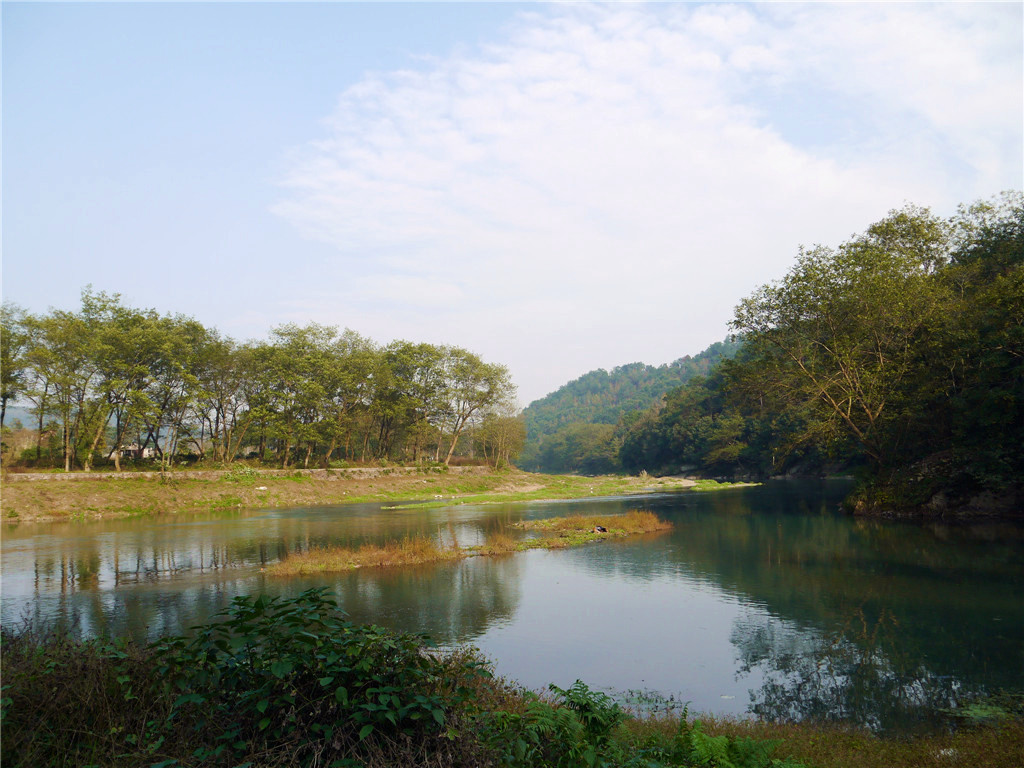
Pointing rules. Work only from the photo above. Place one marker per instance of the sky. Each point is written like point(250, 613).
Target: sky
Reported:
point(556, 187)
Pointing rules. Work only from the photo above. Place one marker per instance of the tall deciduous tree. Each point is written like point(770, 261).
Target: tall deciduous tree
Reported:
point(469, 387)
point(840, 329)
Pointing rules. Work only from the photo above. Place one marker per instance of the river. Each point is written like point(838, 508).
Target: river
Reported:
point(761, 601)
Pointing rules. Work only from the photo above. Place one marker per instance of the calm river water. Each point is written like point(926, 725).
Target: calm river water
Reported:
point(761, 601)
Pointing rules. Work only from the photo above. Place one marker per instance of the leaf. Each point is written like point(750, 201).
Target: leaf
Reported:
point(189, 698)
point(365, 731)
point(281, 669)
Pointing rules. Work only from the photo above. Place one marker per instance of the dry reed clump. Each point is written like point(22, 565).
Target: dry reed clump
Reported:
point(500, 543)
point(634, 521)
point(393, 553)
point(558, 533)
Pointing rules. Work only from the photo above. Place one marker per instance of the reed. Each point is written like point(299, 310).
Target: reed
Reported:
point(633, 522)
point(407, 551)
point(500, 543)
point(557, 533)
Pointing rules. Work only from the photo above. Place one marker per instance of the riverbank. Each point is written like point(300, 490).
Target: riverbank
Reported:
point(274, 683)
point(54, 497)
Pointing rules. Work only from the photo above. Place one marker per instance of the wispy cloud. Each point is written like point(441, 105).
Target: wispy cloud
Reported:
point(606, 182)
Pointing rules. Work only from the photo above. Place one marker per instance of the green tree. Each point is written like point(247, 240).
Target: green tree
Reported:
point(579, 447)
point(501, 436)
point(469, 386)
point(64, 369)
point(840, 329)
point(348, 384)
point(14, 342)
point(407, 391)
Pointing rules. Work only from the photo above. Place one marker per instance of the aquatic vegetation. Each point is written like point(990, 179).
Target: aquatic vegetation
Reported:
point(716, 485)
point(557, 533)
point(407, 551)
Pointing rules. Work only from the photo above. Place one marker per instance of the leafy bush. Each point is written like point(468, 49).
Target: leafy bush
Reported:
point(575, 730)
point(273, 681)
point(296, 672)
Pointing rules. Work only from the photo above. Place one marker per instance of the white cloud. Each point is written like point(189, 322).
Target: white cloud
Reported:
point(606, 183)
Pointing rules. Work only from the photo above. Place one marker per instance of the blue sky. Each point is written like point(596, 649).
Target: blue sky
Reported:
point(556, 187)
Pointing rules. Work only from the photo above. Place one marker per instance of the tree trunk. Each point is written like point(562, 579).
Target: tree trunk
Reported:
point(451, 450)
point(330, 450)
point(95, 442)
point(39, 431)
point(67, 449)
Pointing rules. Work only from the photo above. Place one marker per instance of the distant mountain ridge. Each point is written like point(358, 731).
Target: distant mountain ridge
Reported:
point(604, 397)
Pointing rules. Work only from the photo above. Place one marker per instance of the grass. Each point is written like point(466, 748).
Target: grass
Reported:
point(715, 485)
point(242, 487)
point(555, 533)
point(825, 746)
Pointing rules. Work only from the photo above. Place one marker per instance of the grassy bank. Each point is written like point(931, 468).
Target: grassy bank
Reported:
point(557, 533)
point(55, 500)
point(291, 682)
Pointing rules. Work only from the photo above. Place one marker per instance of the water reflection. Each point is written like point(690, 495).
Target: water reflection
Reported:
point(761, 600)
point(845, 677)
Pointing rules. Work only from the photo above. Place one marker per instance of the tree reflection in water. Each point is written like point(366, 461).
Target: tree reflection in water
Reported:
point(850, 676)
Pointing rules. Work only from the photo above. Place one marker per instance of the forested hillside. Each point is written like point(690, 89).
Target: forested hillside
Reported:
point(575, 427)
point(900, 354)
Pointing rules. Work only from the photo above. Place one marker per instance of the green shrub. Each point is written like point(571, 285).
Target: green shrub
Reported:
point(296, 672)
point(240, 474)
point(575, 730)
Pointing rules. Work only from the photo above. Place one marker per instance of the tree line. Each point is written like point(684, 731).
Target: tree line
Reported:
point(899, 353)
point(108, 375)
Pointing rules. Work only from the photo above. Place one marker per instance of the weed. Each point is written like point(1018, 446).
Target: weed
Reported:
point(226, 500)
point(240, 474)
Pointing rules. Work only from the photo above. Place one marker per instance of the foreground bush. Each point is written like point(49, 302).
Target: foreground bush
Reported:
point(275, 682)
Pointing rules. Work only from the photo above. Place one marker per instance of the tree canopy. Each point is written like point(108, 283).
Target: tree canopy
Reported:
point(901, 351)
point(113, 381)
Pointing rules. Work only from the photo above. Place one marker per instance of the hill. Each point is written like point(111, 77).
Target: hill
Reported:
point(572, 429)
